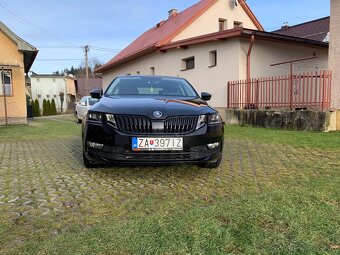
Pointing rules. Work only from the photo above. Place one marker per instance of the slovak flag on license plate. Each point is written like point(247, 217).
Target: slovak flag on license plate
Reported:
point(134, 143)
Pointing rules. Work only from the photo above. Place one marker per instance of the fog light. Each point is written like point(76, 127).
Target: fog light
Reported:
point(95, 145)
point(213, 145)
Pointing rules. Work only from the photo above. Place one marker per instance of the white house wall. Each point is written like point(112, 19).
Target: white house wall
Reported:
point(266, 53)
point(204, 78)
point(231, 64)
point(49, 88)
point(334, 50)
point(208, 22)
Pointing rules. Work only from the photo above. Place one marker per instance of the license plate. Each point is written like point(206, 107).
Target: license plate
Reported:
point(150, 143)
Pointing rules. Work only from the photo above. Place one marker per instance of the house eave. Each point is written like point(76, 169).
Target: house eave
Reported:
point(144, 52)
point(217, 36)
point(269, 36)
point(29, 51)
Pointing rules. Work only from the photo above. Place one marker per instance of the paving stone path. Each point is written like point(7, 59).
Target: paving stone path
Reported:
point(40, 177)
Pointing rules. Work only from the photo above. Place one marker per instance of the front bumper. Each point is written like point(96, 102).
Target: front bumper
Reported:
point(117, 146)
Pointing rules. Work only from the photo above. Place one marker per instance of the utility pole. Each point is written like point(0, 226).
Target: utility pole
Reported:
point(86, 48)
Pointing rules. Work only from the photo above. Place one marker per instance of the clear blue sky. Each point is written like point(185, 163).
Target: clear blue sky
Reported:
point(58, 28)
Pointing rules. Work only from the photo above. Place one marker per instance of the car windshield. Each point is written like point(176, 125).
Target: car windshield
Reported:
point(150, 86)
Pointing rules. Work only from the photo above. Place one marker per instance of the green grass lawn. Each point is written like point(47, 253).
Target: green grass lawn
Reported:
point(41, 129)
point(296, 212)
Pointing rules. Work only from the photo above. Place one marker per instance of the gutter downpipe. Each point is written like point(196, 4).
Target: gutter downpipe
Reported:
point(252, 40)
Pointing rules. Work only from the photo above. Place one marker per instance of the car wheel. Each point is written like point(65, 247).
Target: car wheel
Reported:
point(88, 163)
point(77, 119)
point(213, 164)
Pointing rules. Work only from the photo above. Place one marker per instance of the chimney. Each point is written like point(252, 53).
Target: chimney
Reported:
point(173, 12)
point(285, 26)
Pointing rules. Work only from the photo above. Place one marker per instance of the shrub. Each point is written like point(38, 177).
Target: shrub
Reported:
point(61, 95)
point(53, 107)
point(48, 108)
point(36, 108)
point(44, 107)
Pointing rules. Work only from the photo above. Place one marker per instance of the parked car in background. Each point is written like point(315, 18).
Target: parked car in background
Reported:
point(83, 106)
point(146, 120)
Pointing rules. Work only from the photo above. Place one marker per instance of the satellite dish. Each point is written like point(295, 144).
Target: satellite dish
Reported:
point(234, 2)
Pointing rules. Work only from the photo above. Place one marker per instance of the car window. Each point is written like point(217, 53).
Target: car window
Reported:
point(150, 86)
point(83, 101)
point(92, 101)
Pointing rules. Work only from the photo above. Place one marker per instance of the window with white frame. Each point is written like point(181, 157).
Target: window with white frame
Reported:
point(222, 24)
point(212, 58)
point(238, 24)
point(188, 63)
point(6, 83)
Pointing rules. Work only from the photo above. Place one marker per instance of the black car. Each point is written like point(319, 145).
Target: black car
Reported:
point(145, 120)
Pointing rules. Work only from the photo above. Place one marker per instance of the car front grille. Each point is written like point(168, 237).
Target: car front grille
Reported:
point(183, 124)
point(144, 125)
point(134, 124)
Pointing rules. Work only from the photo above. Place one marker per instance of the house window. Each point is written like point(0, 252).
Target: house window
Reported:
point(212, 58)
point(238, 24)
point(7, 82)
point(152, 70)
point(188, 63)
point(222, 24)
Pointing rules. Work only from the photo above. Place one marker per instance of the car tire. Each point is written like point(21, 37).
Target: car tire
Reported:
point(213, 164)
point(77, 119)
point(88, 163)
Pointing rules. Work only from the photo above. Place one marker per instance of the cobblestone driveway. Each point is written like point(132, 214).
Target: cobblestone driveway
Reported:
point(38, 177)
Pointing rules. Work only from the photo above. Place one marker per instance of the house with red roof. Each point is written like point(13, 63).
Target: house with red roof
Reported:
point(211, 43)
point(317, 30)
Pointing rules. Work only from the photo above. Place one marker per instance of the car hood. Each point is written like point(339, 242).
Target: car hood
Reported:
point(147, 106)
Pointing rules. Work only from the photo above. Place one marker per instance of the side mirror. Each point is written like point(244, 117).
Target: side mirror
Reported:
point(96, 93)
point(205, 96)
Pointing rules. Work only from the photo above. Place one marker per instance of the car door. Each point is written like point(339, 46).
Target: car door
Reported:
point(82, 107)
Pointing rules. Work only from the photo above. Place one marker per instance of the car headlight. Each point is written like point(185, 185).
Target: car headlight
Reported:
point(214, 118)
point(110, 118)
point(202, 119)
point(94, 116)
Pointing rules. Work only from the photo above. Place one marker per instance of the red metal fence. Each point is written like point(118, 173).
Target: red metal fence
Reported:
point(301, 91)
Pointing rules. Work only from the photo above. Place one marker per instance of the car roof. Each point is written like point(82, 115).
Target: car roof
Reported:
point(149, 76)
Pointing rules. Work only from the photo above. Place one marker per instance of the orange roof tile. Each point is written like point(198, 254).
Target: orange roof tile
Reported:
point(165, 31)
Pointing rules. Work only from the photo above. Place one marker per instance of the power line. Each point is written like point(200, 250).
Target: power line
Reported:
point(58, 59)
point(58, 47)
point(22, 19)
point(104, 49)
point(96, 48)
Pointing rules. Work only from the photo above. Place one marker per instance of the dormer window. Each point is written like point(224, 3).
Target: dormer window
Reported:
point(222, 24)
